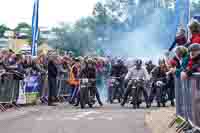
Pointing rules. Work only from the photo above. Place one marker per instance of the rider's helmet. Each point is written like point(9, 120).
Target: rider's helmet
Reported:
point(119, 61)
point(150, 62)
point(138, 63)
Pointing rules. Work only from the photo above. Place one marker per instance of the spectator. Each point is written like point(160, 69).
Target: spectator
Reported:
point(52, 74)
point(182, 56)
point(195, 31)
point(180, 39)
point(74, 79)
point(194, 62)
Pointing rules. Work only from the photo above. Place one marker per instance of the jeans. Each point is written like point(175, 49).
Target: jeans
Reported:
point(74, 94)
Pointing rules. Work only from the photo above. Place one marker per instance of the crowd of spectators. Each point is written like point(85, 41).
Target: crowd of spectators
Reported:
point(187, 59)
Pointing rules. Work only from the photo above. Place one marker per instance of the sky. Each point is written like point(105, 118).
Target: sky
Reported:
point(51, 12)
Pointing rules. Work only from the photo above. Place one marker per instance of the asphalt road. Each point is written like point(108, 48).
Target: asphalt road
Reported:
point(66, 119)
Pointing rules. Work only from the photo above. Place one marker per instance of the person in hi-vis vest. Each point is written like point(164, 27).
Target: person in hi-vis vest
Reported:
point(74, 79)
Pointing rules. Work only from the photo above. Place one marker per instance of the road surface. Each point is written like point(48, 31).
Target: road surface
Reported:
point(66, 119)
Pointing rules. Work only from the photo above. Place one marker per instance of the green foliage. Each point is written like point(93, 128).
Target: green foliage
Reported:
point(21, 26)
point(26, 28)
point(79, 38)
point(3, 28)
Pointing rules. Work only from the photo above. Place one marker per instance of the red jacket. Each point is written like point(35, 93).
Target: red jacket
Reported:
point(193, 65)
point(190, 63)
point(195, 38)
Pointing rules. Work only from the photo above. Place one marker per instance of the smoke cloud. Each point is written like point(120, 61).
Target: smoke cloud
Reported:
point(150, 40)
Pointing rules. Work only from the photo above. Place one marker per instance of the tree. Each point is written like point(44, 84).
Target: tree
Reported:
point(27, 29)
point(21, 26)
point(79, 38)
point(195, 7)
point(3, 29)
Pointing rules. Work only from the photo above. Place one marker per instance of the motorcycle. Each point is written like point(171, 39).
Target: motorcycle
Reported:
point(114, 90)
point(135, 96)
point(161, 93)
point(87, 92)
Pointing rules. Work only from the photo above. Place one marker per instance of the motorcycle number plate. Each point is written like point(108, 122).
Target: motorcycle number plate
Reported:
point(85, 80)
point(82, 86)
point(112, 80)
point(133, 87)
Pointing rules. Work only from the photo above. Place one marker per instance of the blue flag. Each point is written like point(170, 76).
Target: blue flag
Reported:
point(182, 13)
point(35, 31)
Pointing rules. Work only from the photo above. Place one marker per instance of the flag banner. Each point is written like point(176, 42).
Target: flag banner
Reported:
point(35, 30)
point(31, 85)
point(182, 13)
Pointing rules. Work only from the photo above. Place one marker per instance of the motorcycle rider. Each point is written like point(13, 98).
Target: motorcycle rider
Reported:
point(89, 71)
point(159, 74)
point(136, 72)
point(118, 70)
point(150, 66)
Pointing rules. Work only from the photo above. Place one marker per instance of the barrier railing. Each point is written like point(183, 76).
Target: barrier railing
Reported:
point(29, 90)
point(9, 89)
point(63, 89)
point(188, 104)
point(195, 87)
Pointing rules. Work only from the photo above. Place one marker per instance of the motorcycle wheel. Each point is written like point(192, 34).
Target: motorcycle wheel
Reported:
point(83, 97)
point(133, 100)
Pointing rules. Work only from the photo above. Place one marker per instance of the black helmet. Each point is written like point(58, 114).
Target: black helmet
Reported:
point(150, 62)
point(138, 62)
point(194, 47)
point(90, 61)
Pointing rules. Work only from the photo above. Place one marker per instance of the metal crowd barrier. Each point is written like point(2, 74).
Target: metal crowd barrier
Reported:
point(9, 90)
point(44, 91)
point(188, 103)
point(195, 86)
point(63, 89)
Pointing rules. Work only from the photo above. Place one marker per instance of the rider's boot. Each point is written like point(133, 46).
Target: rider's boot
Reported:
point(172, 103)
point(119, 100)
point(164, 104)
point(147, 105)
point(123, 103)
point(138, 106)
point(158, 104)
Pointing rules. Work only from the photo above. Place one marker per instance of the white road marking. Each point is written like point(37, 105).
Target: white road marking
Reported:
point(39, 119)
point(80, 115)
point(84, 114)
point(91, 118)
point(75, 119)
point(106, 118)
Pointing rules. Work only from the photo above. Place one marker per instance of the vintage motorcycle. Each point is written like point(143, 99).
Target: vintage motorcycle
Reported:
point(87, 92)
